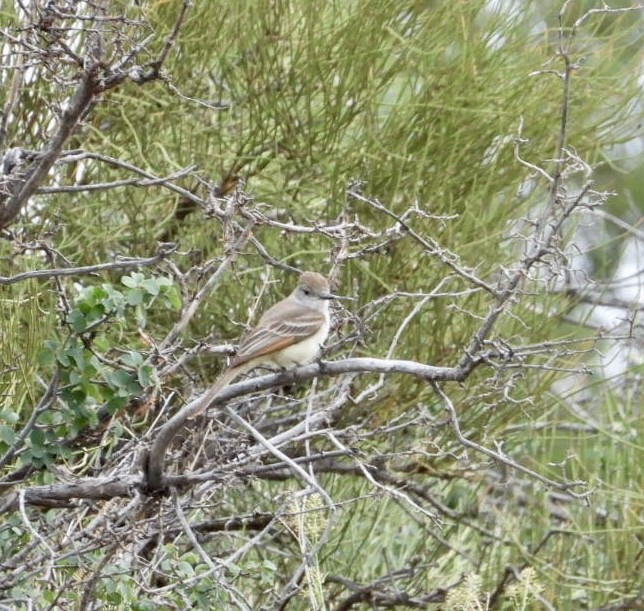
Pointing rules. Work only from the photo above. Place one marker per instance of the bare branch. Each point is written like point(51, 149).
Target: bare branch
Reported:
point(78, 105)
point(45, 403)
point(164, 251)
point(502, 458)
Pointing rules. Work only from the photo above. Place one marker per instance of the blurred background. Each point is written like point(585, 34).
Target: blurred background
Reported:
point(413, 150)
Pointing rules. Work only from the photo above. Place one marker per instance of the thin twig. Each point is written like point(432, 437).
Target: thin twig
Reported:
point(163, 251)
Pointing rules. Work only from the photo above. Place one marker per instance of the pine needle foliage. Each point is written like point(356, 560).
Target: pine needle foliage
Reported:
point(319, 113)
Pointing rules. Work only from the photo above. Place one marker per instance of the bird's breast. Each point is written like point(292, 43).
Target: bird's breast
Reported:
point(304, 351)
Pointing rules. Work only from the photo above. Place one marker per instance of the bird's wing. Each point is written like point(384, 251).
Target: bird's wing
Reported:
point(278, 330)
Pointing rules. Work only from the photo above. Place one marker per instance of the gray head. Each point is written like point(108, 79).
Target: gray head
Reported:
point(312, 290)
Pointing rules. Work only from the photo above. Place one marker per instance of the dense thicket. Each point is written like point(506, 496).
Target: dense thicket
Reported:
point(169, 165)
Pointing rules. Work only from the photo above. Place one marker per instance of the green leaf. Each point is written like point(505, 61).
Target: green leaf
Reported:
point(132, 359)
point(91, 296)
point(123, 381)
point(40, 461)
point(47, 354)
point(133, 280)
point(37, 438)
point(77, 320)
point(185, 569)
point(134, 297)
point(63, 359)
point(77, 353)
point(147, 376)
point(38, 452)
point(115, 403)
point(234, 569)
point(64, 451)
point(26, 458)
point(73, 397)
point(171, 298)
point(152, 286)
point(114, 300)
point(8, 415)
point(7, 434)
point(95, 313)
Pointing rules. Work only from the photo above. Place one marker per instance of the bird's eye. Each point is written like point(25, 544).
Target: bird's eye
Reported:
point(307, 291)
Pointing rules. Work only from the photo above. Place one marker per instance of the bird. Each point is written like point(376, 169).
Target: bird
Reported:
point(290, 333)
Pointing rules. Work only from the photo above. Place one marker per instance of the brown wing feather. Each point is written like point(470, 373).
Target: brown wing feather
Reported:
point(267, 348)
point(278, 328)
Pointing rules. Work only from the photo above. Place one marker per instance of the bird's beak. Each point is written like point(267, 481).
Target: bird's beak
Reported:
point(328, 296)
point(332, 296)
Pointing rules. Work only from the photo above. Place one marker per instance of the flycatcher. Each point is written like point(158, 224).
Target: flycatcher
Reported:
point(290, 333)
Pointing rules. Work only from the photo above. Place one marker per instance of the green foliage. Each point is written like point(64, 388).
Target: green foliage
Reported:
point(92, 373)
point(422, 101)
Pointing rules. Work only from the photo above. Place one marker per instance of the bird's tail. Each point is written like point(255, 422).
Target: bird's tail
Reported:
point(224, 380)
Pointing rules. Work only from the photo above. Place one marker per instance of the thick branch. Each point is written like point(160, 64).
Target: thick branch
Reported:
point(166, 434)
point(60, 495)
point(78, 104)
